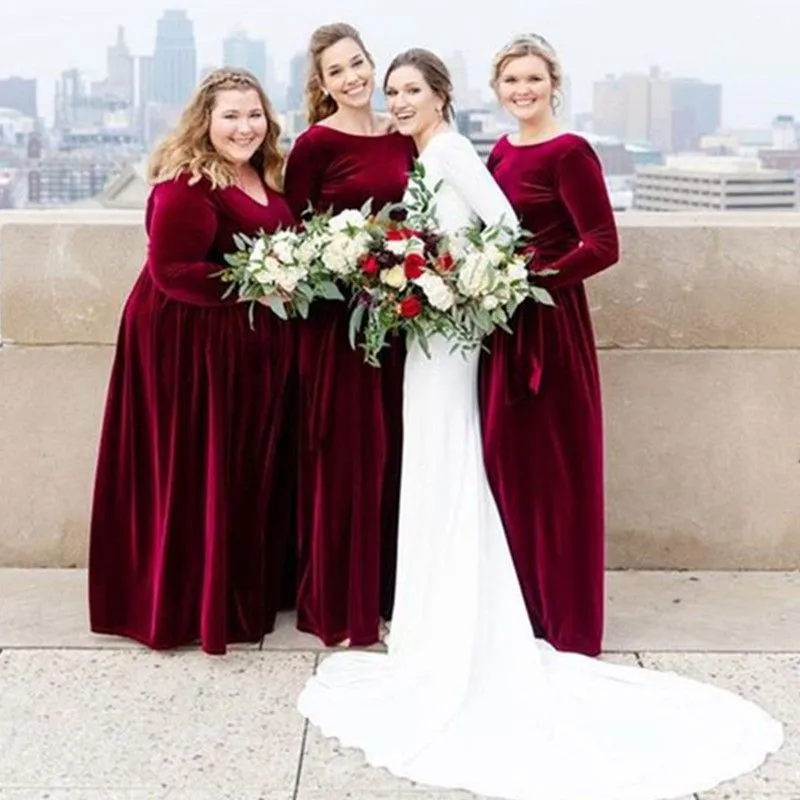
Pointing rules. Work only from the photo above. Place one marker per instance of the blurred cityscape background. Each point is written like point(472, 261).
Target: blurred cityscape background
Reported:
point(660, 136)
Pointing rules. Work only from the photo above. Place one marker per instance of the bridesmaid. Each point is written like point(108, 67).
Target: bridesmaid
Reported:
point(540, 388)
point(350, 436)
point(182, 545)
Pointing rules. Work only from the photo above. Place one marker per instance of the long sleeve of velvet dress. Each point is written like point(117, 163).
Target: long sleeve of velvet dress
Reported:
point(350, 427)
point(183, 547)
point(540, 393)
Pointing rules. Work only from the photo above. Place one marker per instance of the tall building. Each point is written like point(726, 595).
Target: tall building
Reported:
point(119, 82)
point(19, 94)
point(238, 50)
point(295, 94)
point(175, 59)
point(672, 114)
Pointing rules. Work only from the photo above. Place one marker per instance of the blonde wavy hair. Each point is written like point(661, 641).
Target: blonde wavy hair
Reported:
point(530, 44)
point(319, 104)
point(188, 148)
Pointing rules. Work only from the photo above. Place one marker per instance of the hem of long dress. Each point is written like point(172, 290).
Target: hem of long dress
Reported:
point(489, 789)
point(336, 639)
point(176, 643)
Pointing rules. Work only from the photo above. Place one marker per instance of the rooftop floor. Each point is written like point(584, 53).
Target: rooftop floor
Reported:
point(97, 718)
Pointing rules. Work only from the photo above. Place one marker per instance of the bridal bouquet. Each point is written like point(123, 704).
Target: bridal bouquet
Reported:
point(280, 270)
point(407, 276)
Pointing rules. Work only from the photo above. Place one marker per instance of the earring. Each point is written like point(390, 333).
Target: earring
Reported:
point(325, 92)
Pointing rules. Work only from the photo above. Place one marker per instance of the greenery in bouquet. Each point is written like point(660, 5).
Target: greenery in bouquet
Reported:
point(280, 270)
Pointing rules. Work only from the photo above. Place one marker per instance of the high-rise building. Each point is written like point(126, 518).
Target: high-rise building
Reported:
point(672, 114)
point(119, 82)
point(239, 50)
point(175, 59)
point(19, 94)
point(295, 94)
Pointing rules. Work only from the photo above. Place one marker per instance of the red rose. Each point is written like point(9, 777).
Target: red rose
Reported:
point(414, 265)
point(370, 266)
point(398, 234)
point(445, 262)
point(410, 307)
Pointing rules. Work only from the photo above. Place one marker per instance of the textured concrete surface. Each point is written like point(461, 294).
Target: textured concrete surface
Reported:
point(96, 718)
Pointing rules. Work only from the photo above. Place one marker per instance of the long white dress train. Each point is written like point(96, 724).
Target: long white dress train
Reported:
point(466, 697)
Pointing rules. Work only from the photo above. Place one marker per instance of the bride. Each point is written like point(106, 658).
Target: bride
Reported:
point(466, 696)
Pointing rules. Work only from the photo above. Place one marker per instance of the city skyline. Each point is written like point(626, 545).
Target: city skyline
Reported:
point(758, 74)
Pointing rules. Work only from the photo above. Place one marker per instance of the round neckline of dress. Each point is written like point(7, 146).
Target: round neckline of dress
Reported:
point(355, 135)
point(536, 144)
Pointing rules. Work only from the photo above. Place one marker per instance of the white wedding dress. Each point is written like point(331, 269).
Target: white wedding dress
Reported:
point(466, 697)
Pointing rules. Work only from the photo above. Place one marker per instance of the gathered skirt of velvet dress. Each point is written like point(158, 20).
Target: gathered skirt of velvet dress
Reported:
point(466, 696)
point(189, 529)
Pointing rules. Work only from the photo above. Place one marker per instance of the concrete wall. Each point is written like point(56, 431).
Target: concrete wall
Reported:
point(699, 329)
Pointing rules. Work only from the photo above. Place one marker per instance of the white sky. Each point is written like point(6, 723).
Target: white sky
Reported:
point(751, 47)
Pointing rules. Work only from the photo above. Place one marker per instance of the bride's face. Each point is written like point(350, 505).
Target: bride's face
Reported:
point(414, 106)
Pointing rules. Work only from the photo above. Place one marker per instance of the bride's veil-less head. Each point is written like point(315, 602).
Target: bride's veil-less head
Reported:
point(433, 71)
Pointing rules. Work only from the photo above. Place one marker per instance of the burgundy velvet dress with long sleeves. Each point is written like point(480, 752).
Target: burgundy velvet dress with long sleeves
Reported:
point(540, 393)
point(183, 544)
point(350, 413)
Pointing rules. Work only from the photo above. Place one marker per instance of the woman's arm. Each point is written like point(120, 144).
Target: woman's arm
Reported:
point(583, 190)
point(182, 225)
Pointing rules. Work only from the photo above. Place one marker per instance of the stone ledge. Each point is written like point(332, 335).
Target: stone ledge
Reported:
point(685, 280)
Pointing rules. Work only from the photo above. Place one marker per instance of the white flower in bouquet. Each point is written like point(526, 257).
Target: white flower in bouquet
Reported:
point(436, 290)
point(517, 270)
point(347, 219)
point(473, 275)
point(256, 258)
point(288, 278)
point(283, 246)
point(310, 248)
point(394, 277)
point(459, 246)
point(493, 254)
point(490, 302)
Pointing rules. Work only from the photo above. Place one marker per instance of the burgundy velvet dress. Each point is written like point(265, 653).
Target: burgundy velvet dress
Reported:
point(540, 393)
point(183, 543)
point(350, 413)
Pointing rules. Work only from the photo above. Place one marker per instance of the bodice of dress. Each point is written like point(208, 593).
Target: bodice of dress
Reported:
point(467, 192)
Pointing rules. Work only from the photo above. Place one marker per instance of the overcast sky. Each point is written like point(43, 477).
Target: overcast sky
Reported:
point(750, 46)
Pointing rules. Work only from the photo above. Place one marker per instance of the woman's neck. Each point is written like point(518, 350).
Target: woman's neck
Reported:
point(423, 138)
point(539, 130)
point(361, 121)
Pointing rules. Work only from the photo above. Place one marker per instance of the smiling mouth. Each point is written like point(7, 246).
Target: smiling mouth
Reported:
point(356, 89)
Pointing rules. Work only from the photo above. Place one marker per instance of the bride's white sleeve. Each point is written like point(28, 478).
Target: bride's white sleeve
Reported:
point(466, 173)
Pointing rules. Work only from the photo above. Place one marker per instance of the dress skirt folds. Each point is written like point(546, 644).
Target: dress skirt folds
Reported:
point(189, 533)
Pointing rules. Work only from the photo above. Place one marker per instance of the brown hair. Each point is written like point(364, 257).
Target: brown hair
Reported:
point(433, 70)
point(530, 44)
point(319, 104)
point(188, 148)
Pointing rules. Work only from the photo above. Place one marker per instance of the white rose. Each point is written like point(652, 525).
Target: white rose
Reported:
point(257, 255)
point(490, 302)
point(517, 270)
point(308, 250)
point(493, 254)
point(396, 246)
point(356, 247)
point(283, 245)
point(473, 275)
point(394, 277)
point(436, 290)
point(289, 277)
point(349, 218)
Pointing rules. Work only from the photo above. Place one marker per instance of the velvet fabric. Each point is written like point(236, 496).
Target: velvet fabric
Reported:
point(350, 431)
point(189, 535)
point(540, 393)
